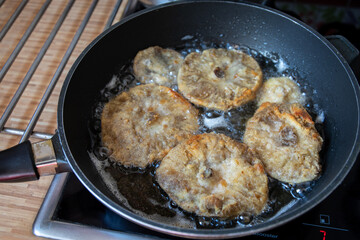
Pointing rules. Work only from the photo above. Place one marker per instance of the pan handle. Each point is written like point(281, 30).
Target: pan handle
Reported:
point(28, 161)
point(347, 50)
point(345, 47)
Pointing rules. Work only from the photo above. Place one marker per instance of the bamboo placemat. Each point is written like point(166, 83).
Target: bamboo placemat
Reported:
point(19, 202)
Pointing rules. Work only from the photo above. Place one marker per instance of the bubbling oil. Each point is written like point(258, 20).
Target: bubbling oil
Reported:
point(137, 189)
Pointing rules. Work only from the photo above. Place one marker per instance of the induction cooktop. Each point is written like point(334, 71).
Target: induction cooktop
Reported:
point(69, 211)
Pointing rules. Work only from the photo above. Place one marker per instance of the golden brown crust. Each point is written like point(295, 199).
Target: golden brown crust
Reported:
point(157, 65)
point(286, 140)
point(280, 90)
point(219, 79)
point(213, 175)
point(143, 124)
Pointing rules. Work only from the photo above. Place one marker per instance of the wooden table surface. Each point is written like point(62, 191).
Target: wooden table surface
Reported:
point(20, 202)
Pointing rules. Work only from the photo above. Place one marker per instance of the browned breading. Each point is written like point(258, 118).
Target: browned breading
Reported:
point(141, 125)
point(286, 140)
point(157, 65)
point(280, 90)
point(219, 79)
point(213, 175)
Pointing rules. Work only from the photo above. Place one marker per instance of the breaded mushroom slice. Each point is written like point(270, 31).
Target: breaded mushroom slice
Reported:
point(213, 175)
point(219, 79)
point(141, 125)
point(280, 90)
point(286, 140)
point(157, 65)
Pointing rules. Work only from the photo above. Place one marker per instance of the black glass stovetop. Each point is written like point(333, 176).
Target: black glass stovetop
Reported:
point(83, 216)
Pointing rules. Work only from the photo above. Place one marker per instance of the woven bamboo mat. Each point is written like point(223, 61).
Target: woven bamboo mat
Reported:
point(19, 202)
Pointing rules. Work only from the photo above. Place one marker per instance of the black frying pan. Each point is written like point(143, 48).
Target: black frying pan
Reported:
point(255, 26)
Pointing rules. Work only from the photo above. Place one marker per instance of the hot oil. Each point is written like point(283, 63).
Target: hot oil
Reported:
point(137, 189)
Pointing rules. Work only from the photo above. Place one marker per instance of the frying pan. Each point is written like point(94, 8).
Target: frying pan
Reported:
point(266, 30)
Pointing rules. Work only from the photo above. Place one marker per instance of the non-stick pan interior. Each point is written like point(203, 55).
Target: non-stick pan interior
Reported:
point(334, 87)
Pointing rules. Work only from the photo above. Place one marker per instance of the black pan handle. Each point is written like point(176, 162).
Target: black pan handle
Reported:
point(17, 164)
point(348, 51)
point(28, 161)
point(345, 47)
